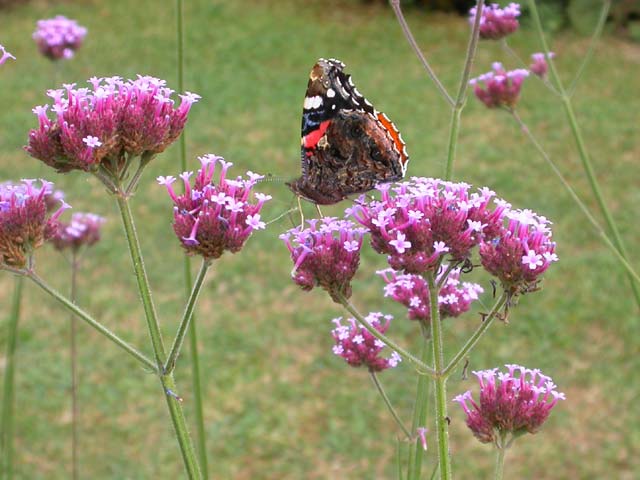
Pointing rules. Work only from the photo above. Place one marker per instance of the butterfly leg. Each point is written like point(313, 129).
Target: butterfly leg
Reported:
point(319, 211)
point(301, 213)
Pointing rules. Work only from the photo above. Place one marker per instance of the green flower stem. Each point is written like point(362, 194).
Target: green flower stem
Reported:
point(442, 424)
point(419, 364)
point(500, 453)
point(387, 402)
point(582, 149)
point(510, 51)
point(75, 264)
point(604, 13)
point(90, 320)
point(395, 4)
point(186, 317)
point(6, 425)
point(477, 335)
point(523, 127)
point(458, 105)
point(420, 409)
point(168, 383)
point(193, 332)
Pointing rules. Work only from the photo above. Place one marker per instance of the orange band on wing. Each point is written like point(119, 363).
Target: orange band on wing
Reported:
point(311, 139)
point(395, 135)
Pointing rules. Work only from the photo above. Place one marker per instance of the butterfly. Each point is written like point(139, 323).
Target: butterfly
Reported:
point(347, 146)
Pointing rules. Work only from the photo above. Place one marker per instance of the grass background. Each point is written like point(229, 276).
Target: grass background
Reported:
point(278, 403)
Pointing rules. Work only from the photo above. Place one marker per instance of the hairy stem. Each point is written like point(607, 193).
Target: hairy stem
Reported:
point(500, 453)
point(387, 402)
point(74, 367)
point(582, 149)
point(6, 425)
point(174, 402)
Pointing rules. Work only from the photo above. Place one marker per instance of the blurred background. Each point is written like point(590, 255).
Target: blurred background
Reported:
point(278, 403)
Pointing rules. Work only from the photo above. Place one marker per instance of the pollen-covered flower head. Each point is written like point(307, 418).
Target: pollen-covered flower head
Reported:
point(514, 402)
point(212, 217)
point(416, 223)
point(82, 230)
point(359, 347)
point(522, 253)
point(105, 125)
point(539, 64)
point(5, 55)
point(327, 253)
point(24, 221)
point(499, 88)
point(59, 37)
point(455, 297)
point(496, 22)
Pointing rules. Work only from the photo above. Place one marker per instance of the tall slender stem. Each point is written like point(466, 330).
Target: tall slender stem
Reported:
point(74, 368)
point(477, 335)
point(500, 453)
point(422, 366)
point(186, 317)
point(395, 4)
point(168, 383)
point(72, 307)
point(442, 419)
point(420, 410)
point(387, 402)
point(6, 427)
point(582, 149)
point(574, 195)
point(457, 107)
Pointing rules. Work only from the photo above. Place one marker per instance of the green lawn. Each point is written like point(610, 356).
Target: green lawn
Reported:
point(279, 404)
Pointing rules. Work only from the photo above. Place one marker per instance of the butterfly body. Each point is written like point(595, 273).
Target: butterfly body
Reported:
point(347, 146)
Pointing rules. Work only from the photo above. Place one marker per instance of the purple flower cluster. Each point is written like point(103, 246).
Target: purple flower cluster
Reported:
point(417, 223)
point(496, 22)
point(107, 124)
point(539, 64)
point(24, 222)
point(208, 217)
point(82, 230)
point(513, 402)
point(522, 253)
point(412, 291)
point(359, 347)
point(326, 254)
point(58, 37)
point(5, 55)
point(499, 88)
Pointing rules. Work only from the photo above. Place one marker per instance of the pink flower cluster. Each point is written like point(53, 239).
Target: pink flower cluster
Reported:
point(412, 291)
point(5, 55)
point(496, 22)
point(325, 254)
point(209, 218)
point(417, 223)
point(359, 347)
point(107, 124)
point(539, 64)
point(58, 37)
point(513, 402)
point(499, 88)
point(82, 230)
point(522, 253)
point(24, 222)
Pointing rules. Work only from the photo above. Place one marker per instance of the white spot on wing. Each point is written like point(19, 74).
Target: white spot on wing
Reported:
point(331, 93)
point(312, 102)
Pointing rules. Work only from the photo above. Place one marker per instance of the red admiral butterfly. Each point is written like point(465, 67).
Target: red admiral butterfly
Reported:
point(348, 147)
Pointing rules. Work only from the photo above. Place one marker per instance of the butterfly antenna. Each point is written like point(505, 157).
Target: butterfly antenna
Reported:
point(269, 177)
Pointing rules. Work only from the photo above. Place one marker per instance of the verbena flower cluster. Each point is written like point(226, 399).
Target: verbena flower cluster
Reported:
point(24, 221)
point(5, 55)
point(496, 22)
point(359, 347)
point(412, 291)
point(327, 253)
point(82, 230)
point(522, 253)
point(59, 37)
point(513, 402)
point(539, 64)
point(418, 222)
point(499, 88)
point(210, 218)
point(105, 125)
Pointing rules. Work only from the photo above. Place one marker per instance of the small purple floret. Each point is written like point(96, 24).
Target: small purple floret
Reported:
point(59, 37)
point(496, 22)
